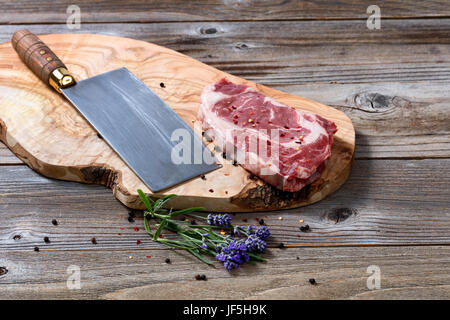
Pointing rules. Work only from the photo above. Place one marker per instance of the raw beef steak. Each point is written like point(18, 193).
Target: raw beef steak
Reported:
point(284, 146)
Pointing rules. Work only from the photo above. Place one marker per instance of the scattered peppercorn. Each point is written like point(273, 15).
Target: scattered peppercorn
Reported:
point(36, 249)
point(211, 190)
point(136, 229)
point(203, 177)
point(298, 258)
point(168, 261)
point(304, 228)
point(94, 241)
point(130, 219)
point(138, 242)
point(148, 257)
point(281, 245)
point(46, 240)
point(54, 222)
point(244, 220)
point(17, 237)
point(312, 281)
point(132, 213)
point(162, 85)
point(201, 277)
point(99, 136)
point(261, 222)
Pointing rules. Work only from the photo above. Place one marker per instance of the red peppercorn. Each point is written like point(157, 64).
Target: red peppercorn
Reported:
point(138, 241)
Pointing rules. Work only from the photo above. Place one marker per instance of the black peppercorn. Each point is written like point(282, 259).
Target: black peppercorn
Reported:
point(54, 222)
point(304, 228)
point(168, 260)
point(312, 281)
point(46, 240)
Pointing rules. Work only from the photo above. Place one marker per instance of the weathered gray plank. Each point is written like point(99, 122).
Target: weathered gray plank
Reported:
point(379, 74)
point(46, 11)
point(384, 202)
point(7, 157)
point(297, 51)
point(392, 120)
point(341, 273)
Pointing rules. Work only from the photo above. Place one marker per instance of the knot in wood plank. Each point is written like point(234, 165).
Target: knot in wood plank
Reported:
point(339, 215)
point(377, 102)
point(3, 271)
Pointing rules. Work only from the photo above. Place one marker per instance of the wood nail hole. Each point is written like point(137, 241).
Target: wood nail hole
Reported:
point(3, 271)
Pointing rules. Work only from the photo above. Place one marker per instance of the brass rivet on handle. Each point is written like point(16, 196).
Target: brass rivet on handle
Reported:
point(42, 52)
point(49, 58)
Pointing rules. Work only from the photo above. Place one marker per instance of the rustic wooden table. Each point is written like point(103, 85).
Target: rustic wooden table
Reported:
point(393, 213)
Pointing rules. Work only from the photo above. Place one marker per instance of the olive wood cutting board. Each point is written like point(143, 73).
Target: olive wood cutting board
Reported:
point(49, 135)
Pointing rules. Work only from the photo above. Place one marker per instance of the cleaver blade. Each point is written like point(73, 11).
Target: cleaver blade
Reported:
point(142, 129)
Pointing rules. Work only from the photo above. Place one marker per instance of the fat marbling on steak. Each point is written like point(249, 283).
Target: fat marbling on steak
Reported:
point(284, 146)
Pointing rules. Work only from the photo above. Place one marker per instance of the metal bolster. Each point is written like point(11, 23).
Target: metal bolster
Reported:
point(61, 78)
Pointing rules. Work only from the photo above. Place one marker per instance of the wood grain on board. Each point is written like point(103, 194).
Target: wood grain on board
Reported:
point(97, 11)
point(48, 134)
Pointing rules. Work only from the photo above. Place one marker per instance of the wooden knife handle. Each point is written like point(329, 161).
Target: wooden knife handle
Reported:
point(41, 60)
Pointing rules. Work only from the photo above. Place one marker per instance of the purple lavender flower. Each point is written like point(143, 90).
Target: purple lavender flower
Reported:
point(220, 220)
point(251, 229)
point(263, 232)
point(233, 254)
point(204, 240)
point(255, 244)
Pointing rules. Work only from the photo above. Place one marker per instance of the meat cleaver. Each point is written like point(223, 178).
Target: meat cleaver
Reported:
point(142, 129)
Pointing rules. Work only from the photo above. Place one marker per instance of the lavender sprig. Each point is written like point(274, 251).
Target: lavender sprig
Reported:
point(203, 240)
